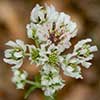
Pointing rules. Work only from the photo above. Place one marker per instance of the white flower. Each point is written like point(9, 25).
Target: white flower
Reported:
point(64, 44)
point(37, 14)
point(41, 14)
point(51, 32)
point(52, 14)
point(52, 25)
point(50, 80)
point(62, 20)
point(36, 31)
point(19, 78)
point(70, 66)
point(84, 61)
point(42, 32)
point(34, 54)
point(47, 53)
point(31, 30)
point(37, 55)
point(62, 31)
point(72, 28)
point(73, 72)
point(83, 51)
point(16, 54)
point(80, 44)
point(81, 55)
point(48, 24)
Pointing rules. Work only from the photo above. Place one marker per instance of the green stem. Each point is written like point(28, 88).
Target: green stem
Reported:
point(33, 86)
point(30, 82)
point(36, 84)
point(29, 91)
point(36, 43)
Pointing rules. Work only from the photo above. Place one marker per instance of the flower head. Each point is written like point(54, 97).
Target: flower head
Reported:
point(51, 32)
point(84, 51)
point(48, 24)
point(34, 54)
point(51, 81)
point(49, 52)
point(19, 78)
point(70, 66)
point(16, 54)
point(37, 14)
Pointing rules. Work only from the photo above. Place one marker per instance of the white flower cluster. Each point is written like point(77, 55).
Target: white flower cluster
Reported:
point(82, 53)
point(51, 80)
point(48, 24)
point(19, 78)
point(16, 54)
point(83, 50)
point(51, 32)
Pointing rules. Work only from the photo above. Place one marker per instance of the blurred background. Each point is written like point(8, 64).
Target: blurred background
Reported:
point(14, 15)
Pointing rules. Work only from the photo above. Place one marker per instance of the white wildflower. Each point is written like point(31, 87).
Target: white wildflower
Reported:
point(83, 51)
point(80, 44)
point(47, 53)
point(62, 31)
point(72, 28)
point(62, 20)
point(52, 14)
point(52, 25)
point(15, 55)
point(42, 32)
point(31, 30)
point(34, 54)
point(37, 14)
point(51, 80)
point(84, 61)
point(45, 14)
point(51, 32)
point(70, 67)
point(74, 72)
point(19, 78)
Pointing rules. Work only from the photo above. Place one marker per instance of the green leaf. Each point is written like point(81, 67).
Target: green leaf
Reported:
point(29, 91)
